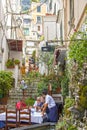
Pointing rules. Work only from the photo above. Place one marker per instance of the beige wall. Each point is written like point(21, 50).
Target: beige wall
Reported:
point(35, 13)
point(79, 7)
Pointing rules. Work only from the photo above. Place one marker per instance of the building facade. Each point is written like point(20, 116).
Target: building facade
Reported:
point(3, 42)
point(51, 26)
point(74, 15)
point(39, 11)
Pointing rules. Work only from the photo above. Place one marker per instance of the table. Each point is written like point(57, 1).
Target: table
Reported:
point(36, 117)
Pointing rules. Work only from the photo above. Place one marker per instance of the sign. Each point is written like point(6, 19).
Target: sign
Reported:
point(47, 48)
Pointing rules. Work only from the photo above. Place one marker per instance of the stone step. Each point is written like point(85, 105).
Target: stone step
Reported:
point(15, 94)
point(12, 94)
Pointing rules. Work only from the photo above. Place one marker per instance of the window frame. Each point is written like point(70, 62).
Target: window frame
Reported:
point(71, 9)
point(38, 8)
point(27, 31)
point(39, 21)
point(38, 28)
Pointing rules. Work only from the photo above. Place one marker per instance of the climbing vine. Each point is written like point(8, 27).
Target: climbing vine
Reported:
point(78, 48)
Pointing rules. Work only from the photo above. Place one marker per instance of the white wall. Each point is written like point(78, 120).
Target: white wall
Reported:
point(51, 28)
point(16, 55)
point(54, 2)
point(3, 43)
point(78, 9)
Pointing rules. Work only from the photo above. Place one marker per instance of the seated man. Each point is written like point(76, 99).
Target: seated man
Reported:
point(21, 104)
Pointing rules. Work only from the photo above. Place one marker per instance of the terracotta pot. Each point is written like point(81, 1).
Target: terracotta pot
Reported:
point(58, 89)
point(4, 100)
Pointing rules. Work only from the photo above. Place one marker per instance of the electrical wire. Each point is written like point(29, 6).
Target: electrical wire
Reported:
point(13, 18)
point(3, 27)
point(28, 11)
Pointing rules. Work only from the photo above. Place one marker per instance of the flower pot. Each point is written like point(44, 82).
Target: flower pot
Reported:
point(10, 67)
point(58, 89)
point(4, 100)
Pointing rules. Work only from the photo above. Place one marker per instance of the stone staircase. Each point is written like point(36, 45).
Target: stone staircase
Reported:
point(15, 94)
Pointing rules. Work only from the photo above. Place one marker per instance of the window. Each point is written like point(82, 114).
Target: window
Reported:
point(38, 19)
point(61, 31)
point(55, 9)
point(38, 28)
point(50, 5)
point(71, 9)
point(28, 44)
point(26, 21)
point(38, 9)
point(26, 31)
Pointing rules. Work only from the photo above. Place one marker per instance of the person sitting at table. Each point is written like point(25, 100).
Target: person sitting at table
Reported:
point(21, 104)
point(52, 113)
point(37, 103)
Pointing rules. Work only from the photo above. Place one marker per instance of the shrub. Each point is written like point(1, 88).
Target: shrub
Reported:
point(6, 82)
point(29, 101)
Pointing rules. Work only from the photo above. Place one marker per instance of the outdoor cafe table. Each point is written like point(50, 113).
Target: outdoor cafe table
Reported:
point(36, 117)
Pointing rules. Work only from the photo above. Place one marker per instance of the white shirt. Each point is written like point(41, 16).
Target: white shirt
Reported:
point(50, 101)
point(36, 104)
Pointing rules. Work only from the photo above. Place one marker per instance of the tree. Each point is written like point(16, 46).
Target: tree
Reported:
point(47, 58)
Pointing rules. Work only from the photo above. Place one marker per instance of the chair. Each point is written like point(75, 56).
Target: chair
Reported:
point(24, 117)
point(11, 119)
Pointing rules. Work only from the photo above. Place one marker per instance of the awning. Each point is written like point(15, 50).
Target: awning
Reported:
point(15, 45)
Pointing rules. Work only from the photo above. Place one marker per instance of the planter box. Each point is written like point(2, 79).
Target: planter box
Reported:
point(11, 67)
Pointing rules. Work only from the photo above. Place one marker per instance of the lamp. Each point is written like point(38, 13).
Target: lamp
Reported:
point(19, 21)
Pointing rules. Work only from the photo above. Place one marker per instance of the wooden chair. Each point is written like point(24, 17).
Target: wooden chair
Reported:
point(24, 117)
point(11, 119)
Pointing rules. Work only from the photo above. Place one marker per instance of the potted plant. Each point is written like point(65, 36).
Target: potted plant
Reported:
point(10, 63)
point(17, 62)
point(6, 83)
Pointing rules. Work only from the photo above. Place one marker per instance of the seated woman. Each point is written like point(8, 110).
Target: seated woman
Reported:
point(37, 103)
point(21, 104)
